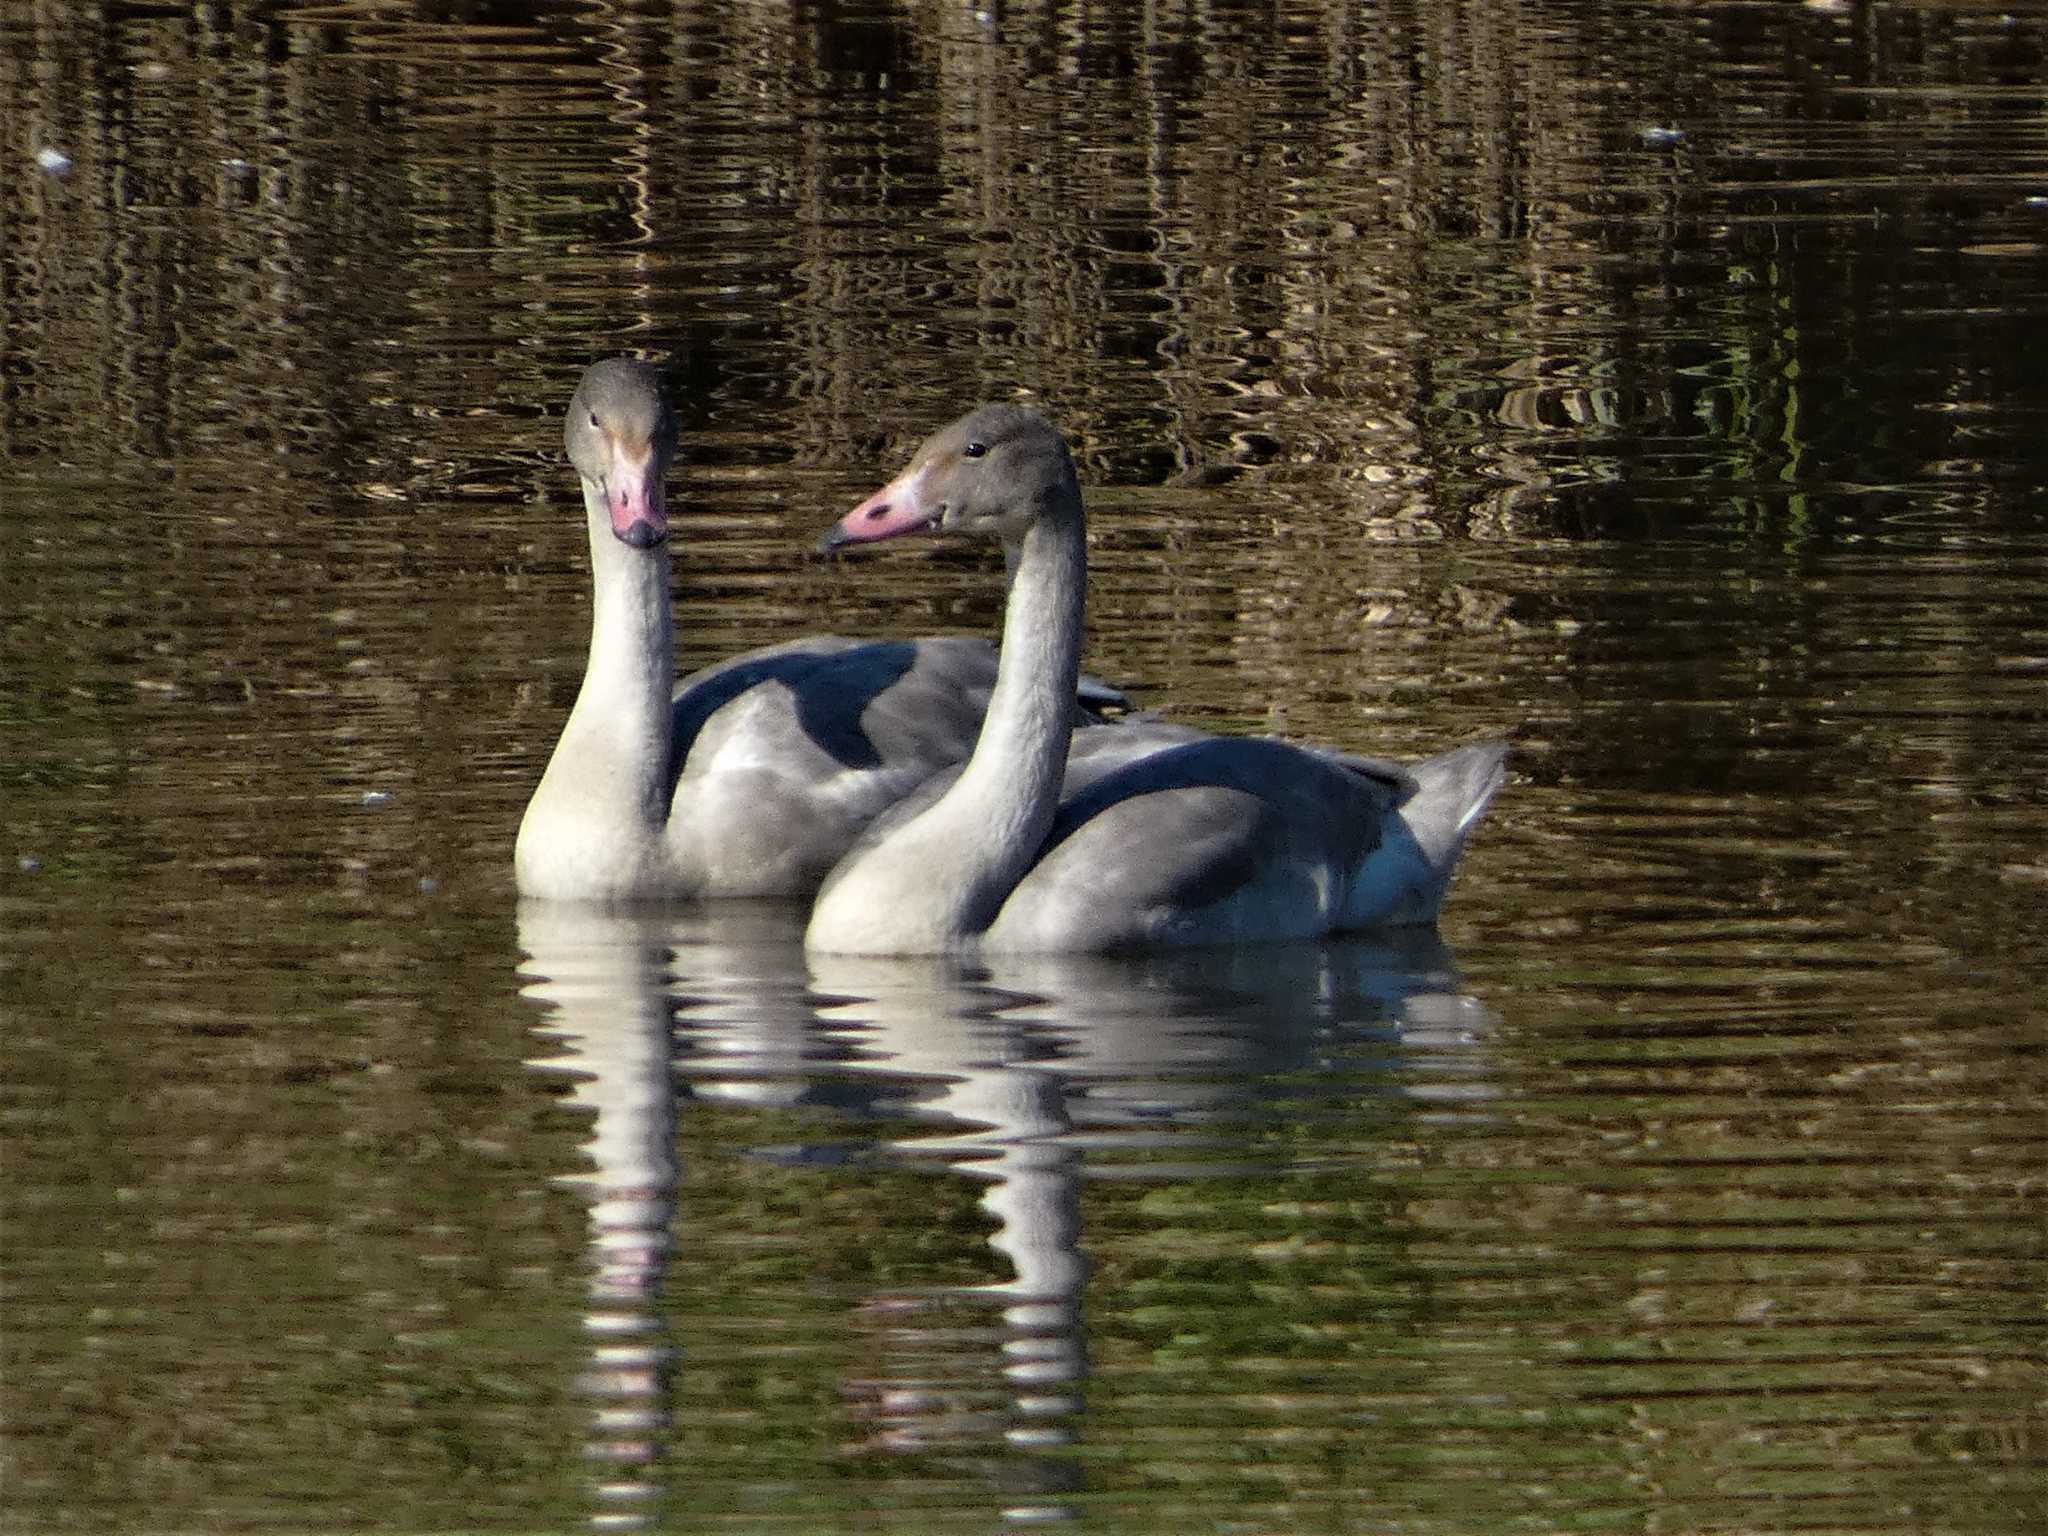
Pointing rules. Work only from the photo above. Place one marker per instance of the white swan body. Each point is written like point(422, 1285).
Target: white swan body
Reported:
point(1149, 835)
point(751, 777)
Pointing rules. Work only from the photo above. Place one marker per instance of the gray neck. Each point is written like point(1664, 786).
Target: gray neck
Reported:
point(595, 826)
point(1021, 756)
point(968, 851)
point(621, 726)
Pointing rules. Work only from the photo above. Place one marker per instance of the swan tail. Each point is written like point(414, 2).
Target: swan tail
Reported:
point(1405, 878)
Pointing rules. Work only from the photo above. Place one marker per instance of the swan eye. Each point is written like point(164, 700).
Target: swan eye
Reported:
point(593, 418)
point(974, 450)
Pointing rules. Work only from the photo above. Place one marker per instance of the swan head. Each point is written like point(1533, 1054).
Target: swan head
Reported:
point(991, 474)
point(621, 436)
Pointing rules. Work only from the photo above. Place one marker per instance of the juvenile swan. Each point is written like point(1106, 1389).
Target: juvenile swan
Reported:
point(1148, 835)
point(750, 778)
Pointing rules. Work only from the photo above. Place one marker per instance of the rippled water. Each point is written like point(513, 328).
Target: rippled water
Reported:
point(1655, 384)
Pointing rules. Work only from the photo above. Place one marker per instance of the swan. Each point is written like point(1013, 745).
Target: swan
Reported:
point(750, 777)
point(1145, 836)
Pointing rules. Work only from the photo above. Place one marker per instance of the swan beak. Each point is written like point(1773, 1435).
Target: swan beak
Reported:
point(898, 508)
point(633, 495)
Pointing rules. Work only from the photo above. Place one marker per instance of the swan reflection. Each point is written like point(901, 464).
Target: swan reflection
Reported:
point(1029, 1075)
point(604, 980)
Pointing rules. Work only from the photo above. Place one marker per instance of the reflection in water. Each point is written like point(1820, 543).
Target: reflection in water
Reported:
point(932, 1041)
point(1045, 1071)
point(605, 982)
point(1034, 1074)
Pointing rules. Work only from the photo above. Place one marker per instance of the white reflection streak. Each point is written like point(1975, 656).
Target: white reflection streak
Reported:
point(605, 981)
point(922, 1020)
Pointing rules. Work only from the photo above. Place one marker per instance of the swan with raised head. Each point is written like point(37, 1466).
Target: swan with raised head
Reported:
point(751, 777)
point(1149, 835)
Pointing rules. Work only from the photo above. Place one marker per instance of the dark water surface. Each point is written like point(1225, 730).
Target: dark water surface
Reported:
point(1659, 384)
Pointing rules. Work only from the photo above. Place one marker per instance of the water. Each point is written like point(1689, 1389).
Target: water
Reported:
point(1655, 384)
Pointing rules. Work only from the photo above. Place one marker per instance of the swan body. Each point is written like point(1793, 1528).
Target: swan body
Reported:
point(750, 777)
point(1149, 835)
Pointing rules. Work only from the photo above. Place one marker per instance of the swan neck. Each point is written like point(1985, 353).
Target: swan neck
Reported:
point(1022, 752)
point(993, 821)
point(594, 829)
point(935, 882)
point(632, 638)
point(615, 748)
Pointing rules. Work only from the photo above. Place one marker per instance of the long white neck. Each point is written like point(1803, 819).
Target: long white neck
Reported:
point(940, 878)
point(595, 822)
